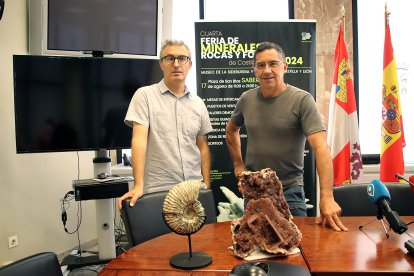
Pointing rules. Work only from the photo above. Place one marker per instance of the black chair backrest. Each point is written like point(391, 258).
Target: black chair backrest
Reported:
point(144, 221)
point(354, 201)
point(41, 264)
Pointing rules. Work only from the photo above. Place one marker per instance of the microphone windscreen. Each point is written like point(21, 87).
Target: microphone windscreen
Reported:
point(412, 181)
point(377, 190)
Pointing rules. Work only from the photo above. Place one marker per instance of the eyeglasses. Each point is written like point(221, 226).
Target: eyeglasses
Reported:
point(169, 59)
point(272, 64)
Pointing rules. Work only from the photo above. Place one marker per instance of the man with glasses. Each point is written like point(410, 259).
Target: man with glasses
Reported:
point(279, 118)
point(169, 127)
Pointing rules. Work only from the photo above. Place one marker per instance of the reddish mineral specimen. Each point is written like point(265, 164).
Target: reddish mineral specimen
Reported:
point(267, 221)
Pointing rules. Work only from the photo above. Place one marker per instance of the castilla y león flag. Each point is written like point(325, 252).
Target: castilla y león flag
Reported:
point(343, 135)
point(392, 133)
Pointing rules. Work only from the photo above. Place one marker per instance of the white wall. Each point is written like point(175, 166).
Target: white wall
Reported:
point(32, 184)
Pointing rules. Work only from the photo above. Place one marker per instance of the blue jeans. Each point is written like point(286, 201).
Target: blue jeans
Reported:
point(295, 197)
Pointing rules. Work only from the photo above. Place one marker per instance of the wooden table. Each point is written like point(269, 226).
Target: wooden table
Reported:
point(323, 251)
point(153, 257)
point(365, 251)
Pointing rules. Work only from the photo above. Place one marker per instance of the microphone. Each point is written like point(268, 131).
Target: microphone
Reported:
point(410, 181)
point(380, 196)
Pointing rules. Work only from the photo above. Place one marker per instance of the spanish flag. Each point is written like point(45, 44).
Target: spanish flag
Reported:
point(343, 134)
point(392, 133)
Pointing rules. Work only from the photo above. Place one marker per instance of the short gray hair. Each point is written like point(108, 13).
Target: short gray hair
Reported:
point(168, 42)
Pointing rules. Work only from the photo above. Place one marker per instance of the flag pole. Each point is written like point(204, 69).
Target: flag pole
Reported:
point(343, 19)
point(386, 15)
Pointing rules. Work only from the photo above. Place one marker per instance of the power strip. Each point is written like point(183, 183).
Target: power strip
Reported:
point(410, 246)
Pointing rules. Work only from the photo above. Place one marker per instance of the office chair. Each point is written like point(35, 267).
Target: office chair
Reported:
point(144, 220)
point(354, 201)
point(40, 264)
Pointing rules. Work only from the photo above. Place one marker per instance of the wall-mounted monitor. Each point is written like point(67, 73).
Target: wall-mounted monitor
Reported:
point(130, 28)
point(76, 103)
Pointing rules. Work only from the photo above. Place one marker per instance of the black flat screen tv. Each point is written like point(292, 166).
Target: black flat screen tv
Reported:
point(76, 103)
point(124, 28)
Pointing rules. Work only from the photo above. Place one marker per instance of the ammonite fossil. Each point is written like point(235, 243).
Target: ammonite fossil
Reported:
point(182, 212)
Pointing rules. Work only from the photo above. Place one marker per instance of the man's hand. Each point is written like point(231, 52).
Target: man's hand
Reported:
point(238, 170)
point(134, 194)
point(330, 213)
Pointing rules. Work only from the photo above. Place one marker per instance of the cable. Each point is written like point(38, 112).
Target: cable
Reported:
point(119, 230)
point(77, 153)
point(65, 205)
point(79, 208)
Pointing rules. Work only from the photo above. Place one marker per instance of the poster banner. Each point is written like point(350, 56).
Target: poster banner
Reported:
point(224, 61)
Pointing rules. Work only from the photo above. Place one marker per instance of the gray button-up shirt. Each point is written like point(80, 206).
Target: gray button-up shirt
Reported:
point(174, 123)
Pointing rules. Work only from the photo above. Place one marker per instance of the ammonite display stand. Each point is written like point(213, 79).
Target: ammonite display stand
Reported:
point(189, 260)
point(185, 215)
